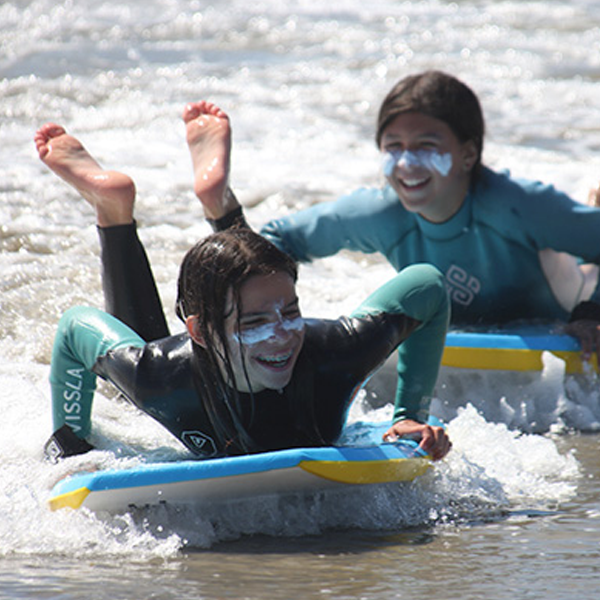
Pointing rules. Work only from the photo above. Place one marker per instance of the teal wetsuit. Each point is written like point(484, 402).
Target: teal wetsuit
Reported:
point(488, 251)
point(411, 311)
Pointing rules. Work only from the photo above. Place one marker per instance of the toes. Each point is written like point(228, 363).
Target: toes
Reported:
point(190, 112)
point(44, 135)
point(51, 130)
point(196, 109)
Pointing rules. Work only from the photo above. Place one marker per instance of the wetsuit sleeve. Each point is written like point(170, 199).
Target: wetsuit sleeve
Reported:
point(418, 292)
point(233, 218)
point(130, 292)
point(572, 227)
point(359, 222)
point(83, 335)
point(534, 213)
point(562, 223)
point(586, 310)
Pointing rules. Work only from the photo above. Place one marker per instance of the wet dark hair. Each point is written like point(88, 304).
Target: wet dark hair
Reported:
point(215, 266)
point(441, 96)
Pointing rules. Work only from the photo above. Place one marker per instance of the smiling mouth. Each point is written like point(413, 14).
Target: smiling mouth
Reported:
point(275, 362)
point(413, 183)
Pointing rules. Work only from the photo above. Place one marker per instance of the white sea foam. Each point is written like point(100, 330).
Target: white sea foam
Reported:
point(523, 471)
point(302, 85)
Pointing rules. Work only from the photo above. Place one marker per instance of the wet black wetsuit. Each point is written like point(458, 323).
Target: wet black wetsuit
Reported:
point(158, 373)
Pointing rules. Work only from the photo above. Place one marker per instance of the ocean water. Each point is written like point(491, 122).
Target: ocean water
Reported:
point(513, 512)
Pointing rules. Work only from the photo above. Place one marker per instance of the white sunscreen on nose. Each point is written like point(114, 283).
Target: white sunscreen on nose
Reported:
point(268, 331)
point(431, 160)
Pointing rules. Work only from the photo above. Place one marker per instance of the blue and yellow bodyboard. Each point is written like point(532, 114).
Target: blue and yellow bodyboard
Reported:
point(283, 471)
point(513, 349)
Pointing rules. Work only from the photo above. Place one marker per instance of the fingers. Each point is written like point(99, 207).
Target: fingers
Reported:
point(433, 440)
point(390, 436)
point(442, 446)
point(588, 334)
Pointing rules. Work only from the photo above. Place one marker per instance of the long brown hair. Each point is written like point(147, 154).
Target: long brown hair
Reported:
point(212, 269)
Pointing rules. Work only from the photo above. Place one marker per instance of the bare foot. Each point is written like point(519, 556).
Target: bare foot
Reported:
point(112, 194)
point(208, 135)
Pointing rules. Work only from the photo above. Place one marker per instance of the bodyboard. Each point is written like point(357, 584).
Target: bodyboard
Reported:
point(513, 349)
point(253, 475)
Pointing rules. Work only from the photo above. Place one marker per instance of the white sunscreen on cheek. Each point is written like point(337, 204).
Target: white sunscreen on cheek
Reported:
point(430, 160)
point(268, 331)
point(442, 163)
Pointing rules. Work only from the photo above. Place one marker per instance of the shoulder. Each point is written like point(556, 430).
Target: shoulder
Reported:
point(335, 334)
point(173, 347)
point(168, 359)
point(499, 193)
point(370, 202)
point(326, 336)
point(376, 210)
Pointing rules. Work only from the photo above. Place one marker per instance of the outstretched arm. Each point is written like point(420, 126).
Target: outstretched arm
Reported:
point(83, 335)
point(584, 322)
point(418, 292)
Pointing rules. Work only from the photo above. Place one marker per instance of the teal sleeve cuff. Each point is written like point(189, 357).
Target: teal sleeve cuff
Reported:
point(83, 335)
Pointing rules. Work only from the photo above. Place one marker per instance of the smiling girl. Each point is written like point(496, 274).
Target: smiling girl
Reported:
point(509, 249)
point(249, 374)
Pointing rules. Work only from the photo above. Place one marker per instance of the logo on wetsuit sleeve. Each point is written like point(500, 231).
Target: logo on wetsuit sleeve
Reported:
point(199, 442)
point(72, 397)
point(462, 287)
point(52, 450)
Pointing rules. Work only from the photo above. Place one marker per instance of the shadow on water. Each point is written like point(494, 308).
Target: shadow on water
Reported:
point(334, 543)
point(330, 544)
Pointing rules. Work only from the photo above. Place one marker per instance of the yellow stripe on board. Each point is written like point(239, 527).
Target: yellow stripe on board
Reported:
point(372, 471)
point(504, 359)
point(72, 499)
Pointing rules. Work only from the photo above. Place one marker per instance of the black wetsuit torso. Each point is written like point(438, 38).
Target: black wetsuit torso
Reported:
point(336, 358)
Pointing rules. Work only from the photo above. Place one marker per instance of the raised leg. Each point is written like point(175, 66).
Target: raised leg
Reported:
point(130, 292)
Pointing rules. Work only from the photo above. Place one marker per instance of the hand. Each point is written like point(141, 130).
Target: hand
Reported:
point(433, 440)
point(588, 334)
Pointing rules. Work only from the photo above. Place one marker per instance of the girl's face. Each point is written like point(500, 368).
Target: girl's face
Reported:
point(266, 337)
point(426, 165)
